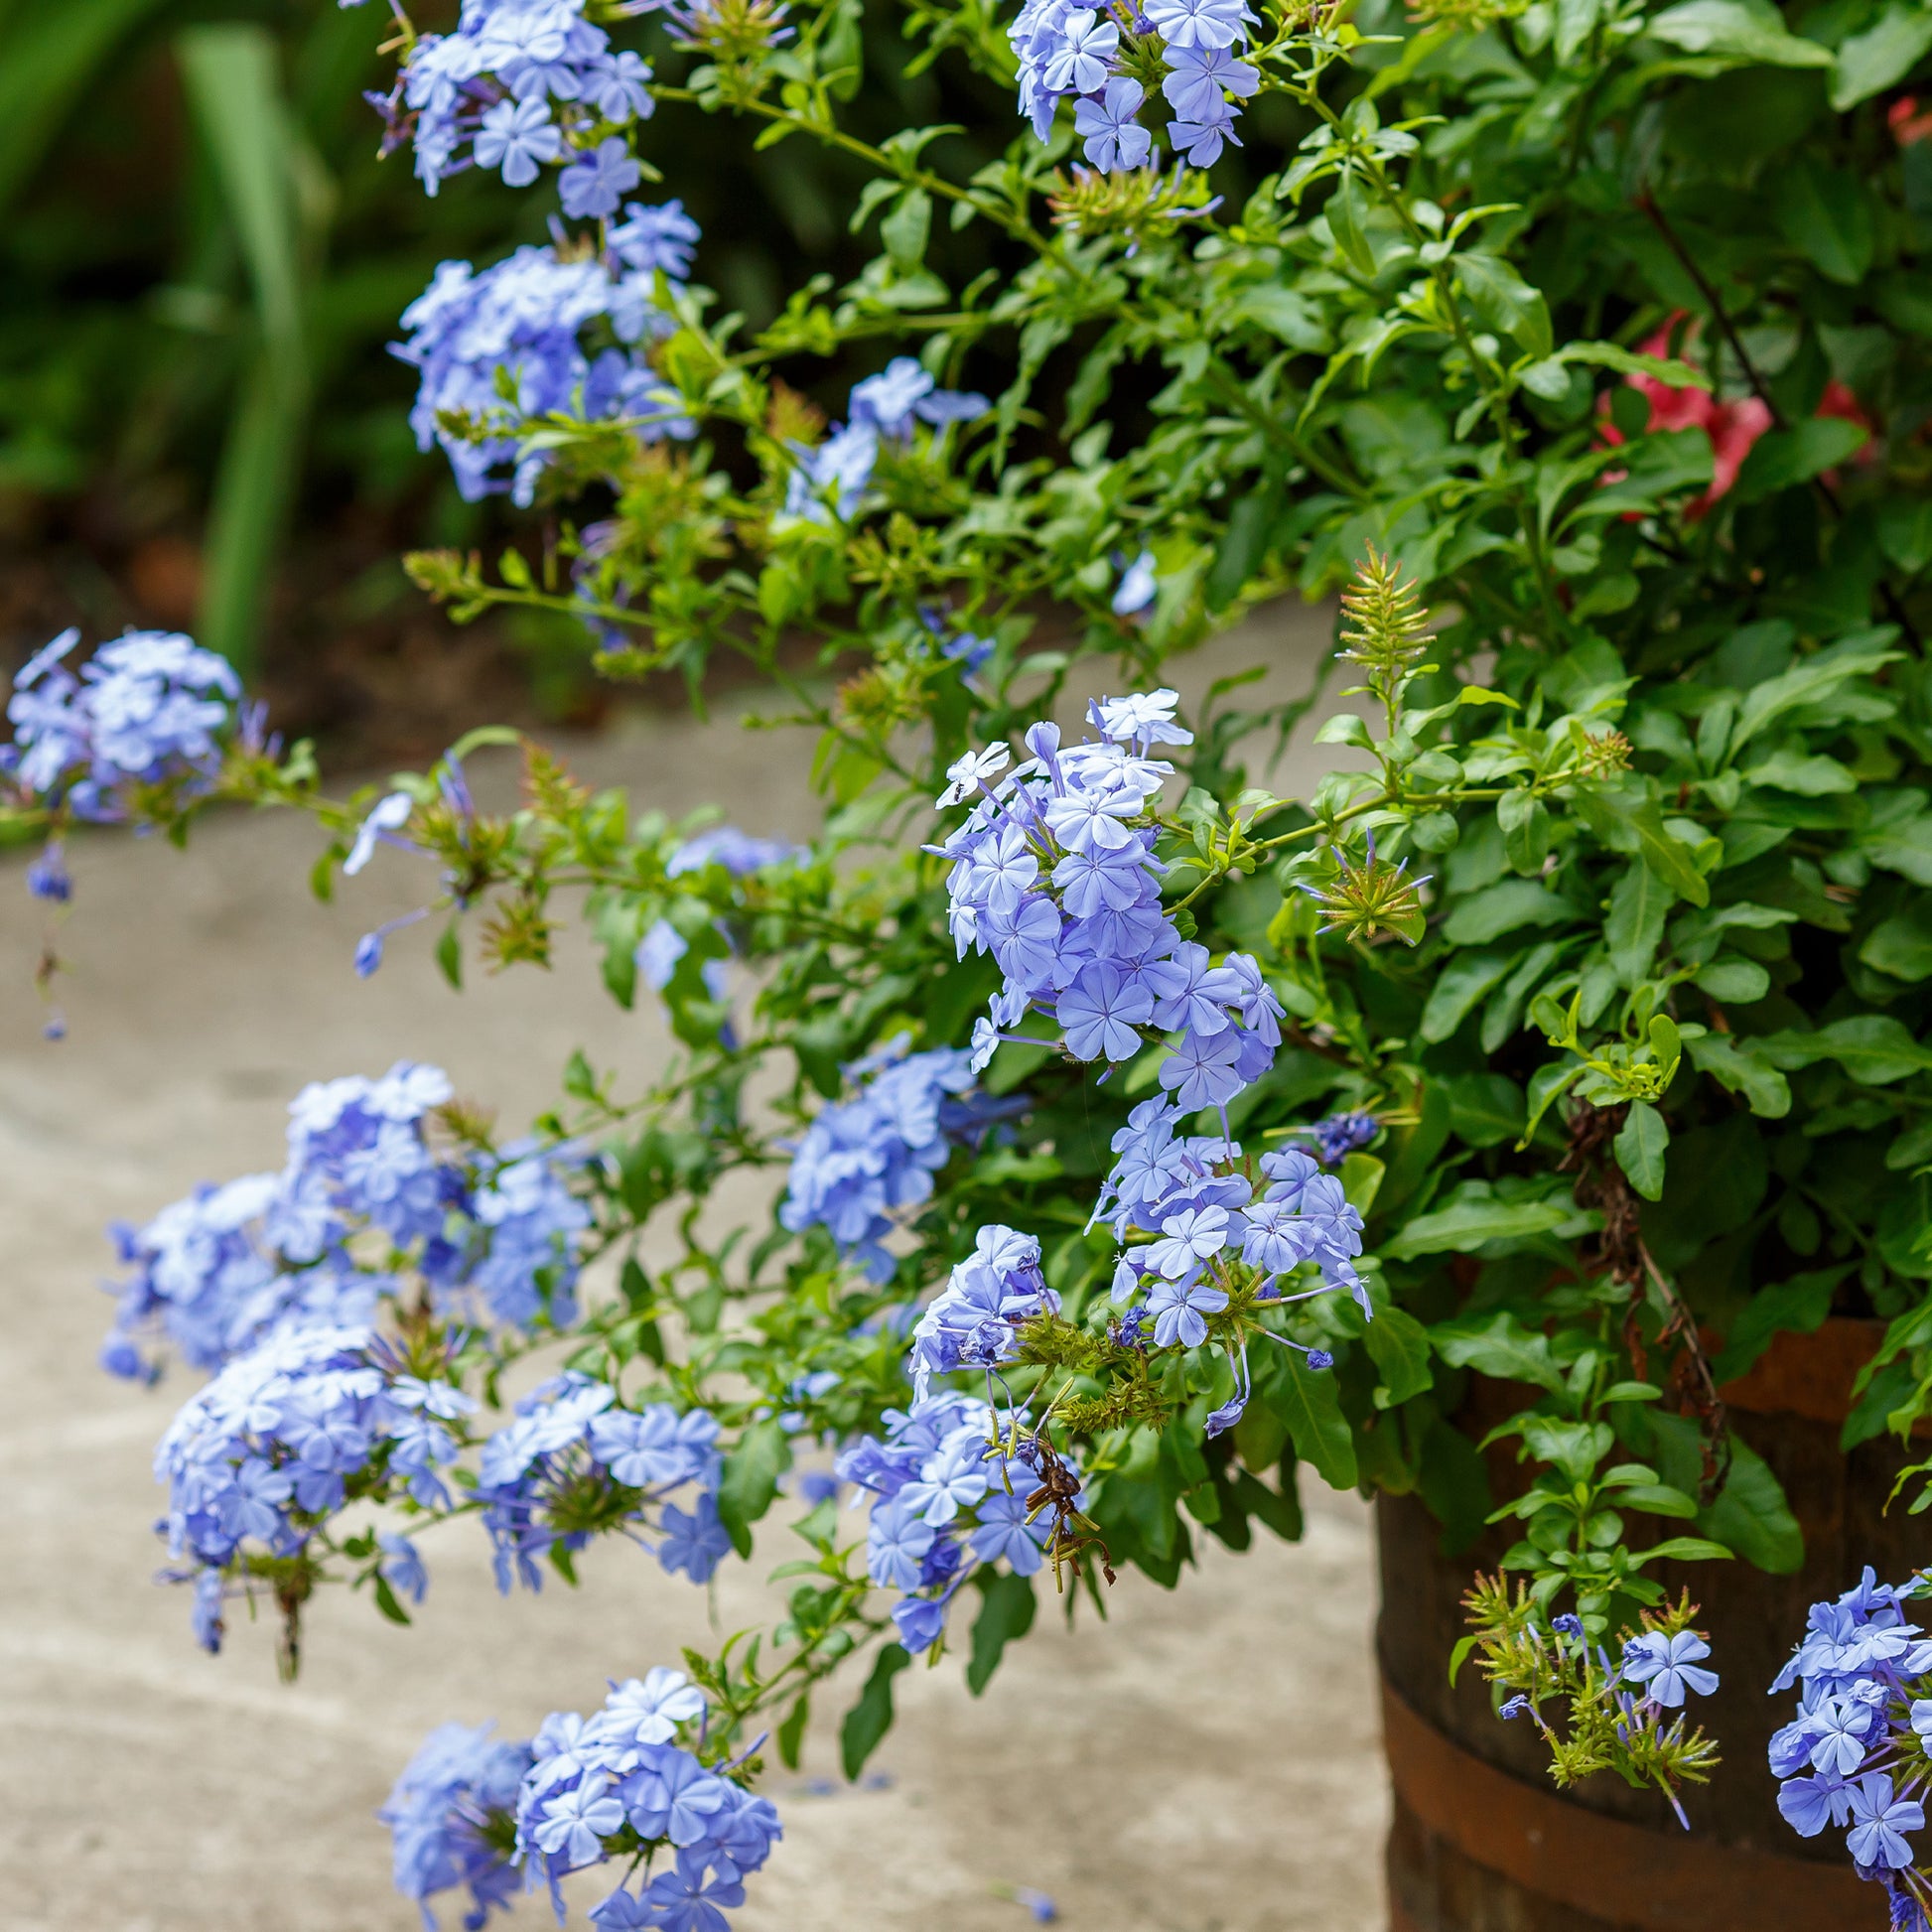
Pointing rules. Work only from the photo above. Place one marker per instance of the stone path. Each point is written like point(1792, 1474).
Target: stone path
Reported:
point(1205, 1761)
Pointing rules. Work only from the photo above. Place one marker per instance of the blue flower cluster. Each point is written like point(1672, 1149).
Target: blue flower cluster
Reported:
point(619, 1781)
point(267, 1449)
point(462, 1780)
point(313, 1417)
point(573, 1463)
point(1054, 875)
point(974, 1322)
point(949, 1494)
point(624, 1783)
point(365, 1205)
point(831, 478)
point(519, 85)
point(1197, 1212)
point(862, 1160)
point(149, 708)
point(1070, 52)
point(518, 327)
point(1856, 1753)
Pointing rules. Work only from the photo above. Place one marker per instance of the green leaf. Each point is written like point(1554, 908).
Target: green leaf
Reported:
point(1507, 906)
point(1795, 1306)
point(1748, 35)
point(1806, 683)
point(1667, 855)
point(1507, 303)
point(1883, 55)
point(1464, 979)
point(1398, 1345)
point(751, 1479)
point(1682, 1549)
point(1311, 1408)
point(906, 229)
point(1749, 1515)
point(1484, 1109)
point(235, 90)
point(1344, 213)
point(1454, 1480)
point(1902, 944)
point(386, 1600)
point(1640, 1146)
point(1874, 1049)
point(1497, 1344)
point(1472, 1221)
point(1525, 822)
point(868, 1721)
point(1628, 361)
point(449, 952)
point(791, 1733)
point(1738, 1067)
point(1784, 457)
point(1244, 545)
point(1008, 1612)
point(1288, 314)
point(1634, 924)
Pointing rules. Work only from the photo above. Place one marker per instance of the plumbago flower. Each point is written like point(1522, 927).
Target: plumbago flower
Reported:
point(953, 1494)
point(560, 330)
point(1623, 1699)
point(1855, 1759)
point(386, 1193)
point(636, 1781)
point(342, 1303)
point(142, 727)
point(1068, 51)
point(865, 1160)
point(830, 479)
point(521, 84)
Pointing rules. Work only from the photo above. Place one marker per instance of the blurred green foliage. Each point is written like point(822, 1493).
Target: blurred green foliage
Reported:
point(194, 305)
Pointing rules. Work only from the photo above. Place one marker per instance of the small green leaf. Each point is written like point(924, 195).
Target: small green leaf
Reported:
point(1750, 35)
point(386, 1600)
point(791, 1733)
point(1640, 1146)
point(1473, 1220)
point(1683, 1549)
point(1344, 213)
point(1311, 1408)
point(449, 952)
point(1008, 1612)
point(751, 1479)
point(1883, 55)
point(868, 1721)
point(1399, 1346)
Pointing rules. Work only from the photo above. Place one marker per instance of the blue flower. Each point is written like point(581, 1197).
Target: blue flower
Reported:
point(578, 1821)
point(1880, 1820)
point(696, 1541)
point(459, 1777)
point(596, 182)
point(688, 1899)
point(1667, 1666)
point(1178, 1309)
point(1114, 140)
point(1137, 586)
point(402, 1566)
point(517, 135)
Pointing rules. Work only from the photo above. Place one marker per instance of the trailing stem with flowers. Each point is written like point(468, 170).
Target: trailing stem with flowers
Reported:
point(1138, 1140)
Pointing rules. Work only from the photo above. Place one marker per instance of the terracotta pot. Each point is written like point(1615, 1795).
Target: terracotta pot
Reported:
point(1482, 1840)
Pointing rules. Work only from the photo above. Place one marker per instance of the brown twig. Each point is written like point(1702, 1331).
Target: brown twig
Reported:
point(1602, 1184)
